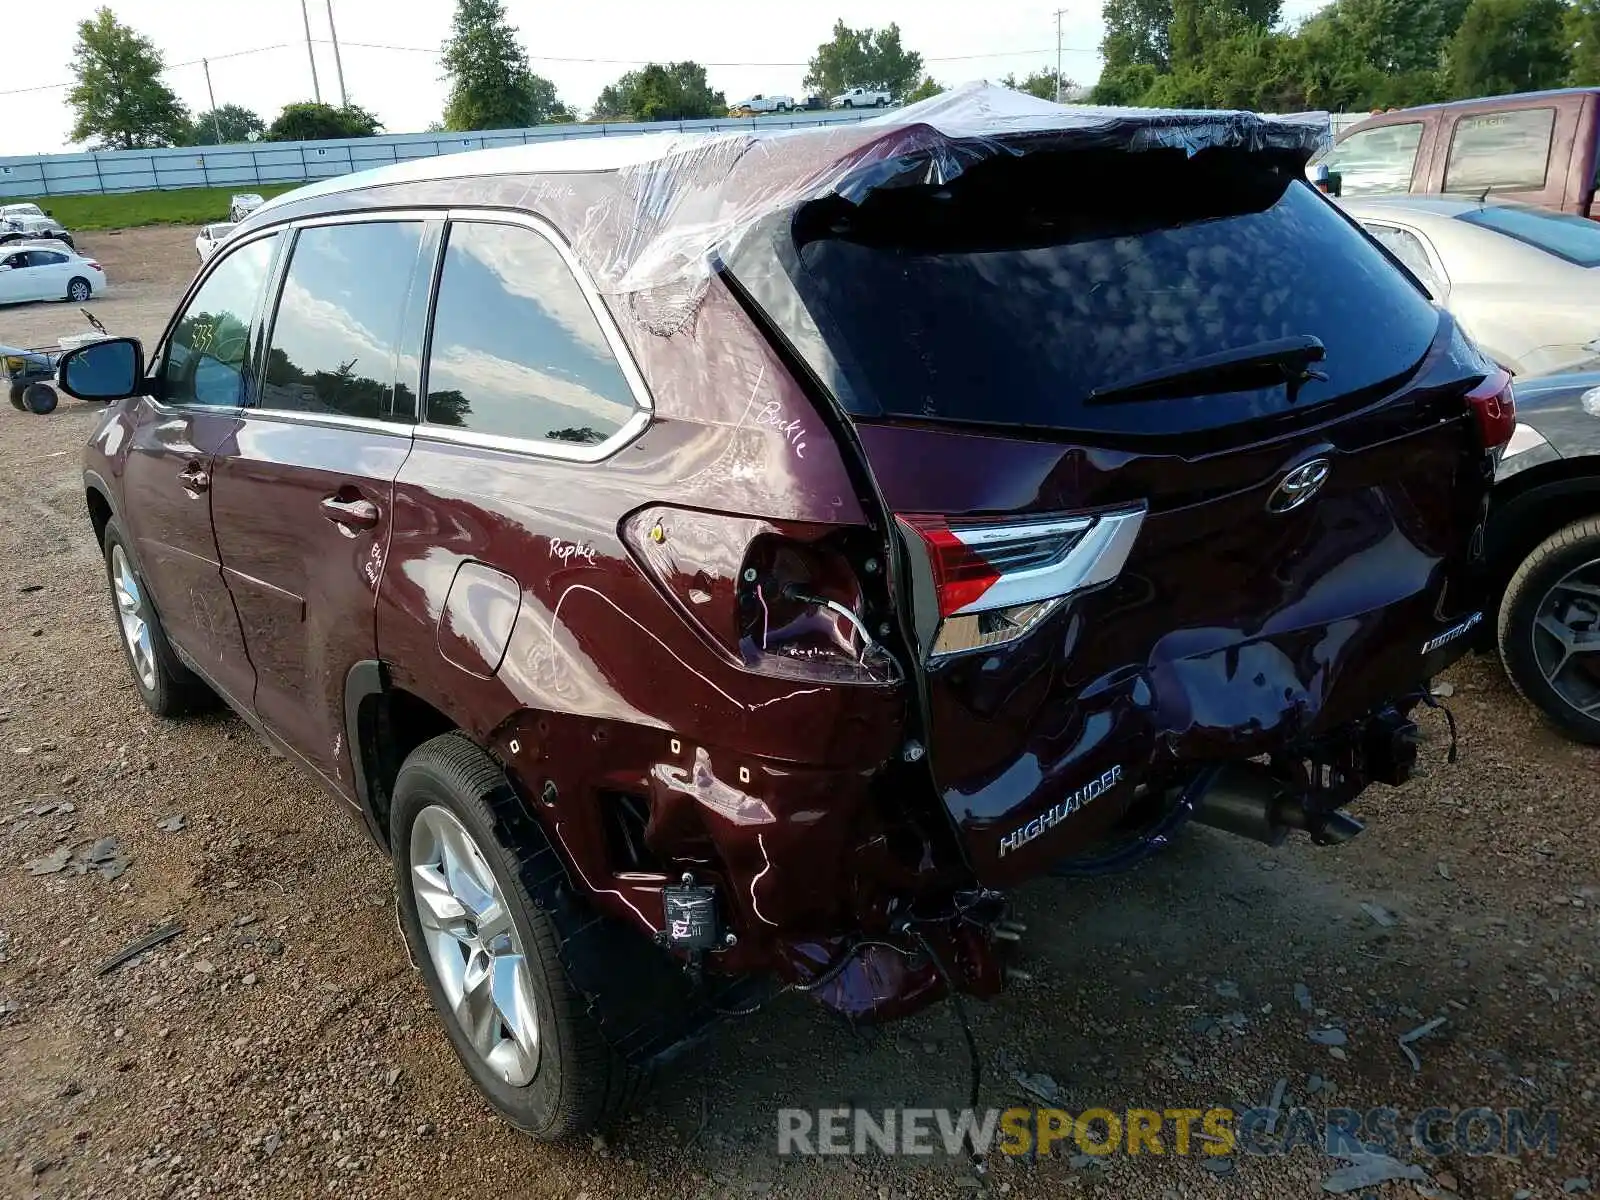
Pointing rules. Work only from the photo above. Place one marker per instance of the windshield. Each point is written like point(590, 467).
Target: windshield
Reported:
point(1015, 302)
point(1576, 239)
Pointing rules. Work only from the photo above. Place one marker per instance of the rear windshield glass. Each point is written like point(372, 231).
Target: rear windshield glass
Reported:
point(1013, 300)
point(1576, 239)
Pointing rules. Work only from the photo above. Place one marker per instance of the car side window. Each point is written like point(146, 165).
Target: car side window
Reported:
point(45, 258)
point(332, 348)
point(207, 358)
point(17, 261)
point(516, 350)
point(1377, 161)
point(1504, 151)
point(1408, 248)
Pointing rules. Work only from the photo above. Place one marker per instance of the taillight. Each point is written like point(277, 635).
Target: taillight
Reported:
point(780, 597)
point(995, 580)
point(94, 265)
point(1494, 407)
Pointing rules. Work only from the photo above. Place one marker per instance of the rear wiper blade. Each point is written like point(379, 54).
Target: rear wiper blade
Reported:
point(1265, 364)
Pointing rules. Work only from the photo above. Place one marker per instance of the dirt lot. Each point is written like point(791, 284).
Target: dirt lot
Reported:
point(282, 1046)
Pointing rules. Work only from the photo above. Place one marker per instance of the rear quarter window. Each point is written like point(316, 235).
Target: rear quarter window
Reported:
point(1133, 282)
point(1507, 151)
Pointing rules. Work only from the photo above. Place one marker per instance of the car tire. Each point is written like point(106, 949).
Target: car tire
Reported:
point(1553, 601)
point(16, 396)
point(546, 1068)
point(78, 291)
point(39, 399)
point(167, 687)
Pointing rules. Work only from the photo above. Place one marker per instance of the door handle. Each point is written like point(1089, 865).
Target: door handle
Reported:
point(194, 479)
point(350, 515)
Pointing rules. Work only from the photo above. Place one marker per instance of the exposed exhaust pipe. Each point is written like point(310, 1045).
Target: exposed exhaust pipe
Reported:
point(1245, 799)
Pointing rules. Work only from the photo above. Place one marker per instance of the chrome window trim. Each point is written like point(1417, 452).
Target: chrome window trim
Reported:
point(644, 407)
point(296, 416)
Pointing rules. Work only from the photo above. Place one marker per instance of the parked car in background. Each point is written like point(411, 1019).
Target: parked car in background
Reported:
point(1544, 551)
point(814, 102)
point(1524, 282)
point(1538, 148)
point(209, 236)
point(685, 650)
point(859, 97)
point(20, 222)
point(46, 271)
point(761, 104)
point(243, 205)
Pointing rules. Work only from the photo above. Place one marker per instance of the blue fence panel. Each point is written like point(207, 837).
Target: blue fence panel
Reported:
point(253, 164)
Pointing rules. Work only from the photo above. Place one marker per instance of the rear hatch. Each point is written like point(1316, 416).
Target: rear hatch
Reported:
point(1181, 466)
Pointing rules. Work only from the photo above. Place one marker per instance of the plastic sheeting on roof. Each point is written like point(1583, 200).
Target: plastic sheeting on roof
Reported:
point(675, 213)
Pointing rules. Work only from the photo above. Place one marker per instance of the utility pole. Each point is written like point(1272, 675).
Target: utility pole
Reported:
point(316, 87)
point(216, 121)
point(337, 65)
point(1059, 13)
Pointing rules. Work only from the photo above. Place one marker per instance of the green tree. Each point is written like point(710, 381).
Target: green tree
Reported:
point(676, 92)
point(236, 122)
point(1583, 36)
point(1039, 83)
point(869, 58)
point(491, 84)
point(1506, 46)
point(928, 88)
point(308, 122)
point(119, 100)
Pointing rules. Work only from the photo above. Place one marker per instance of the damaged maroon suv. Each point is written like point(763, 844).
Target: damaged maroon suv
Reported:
point(718, 566)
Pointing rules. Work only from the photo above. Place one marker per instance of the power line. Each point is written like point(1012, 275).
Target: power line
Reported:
point(639, 62)
point(552, 58)
point(193, 62)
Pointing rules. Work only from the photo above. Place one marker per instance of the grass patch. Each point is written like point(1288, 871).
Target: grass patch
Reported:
point(182, 206)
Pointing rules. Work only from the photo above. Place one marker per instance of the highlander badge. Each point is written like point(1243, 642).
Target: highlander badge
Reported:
point(1093, 790)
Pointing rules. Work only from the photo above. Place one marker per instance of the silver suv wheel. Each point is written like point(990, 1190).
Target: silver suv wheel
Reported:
point(474, 946)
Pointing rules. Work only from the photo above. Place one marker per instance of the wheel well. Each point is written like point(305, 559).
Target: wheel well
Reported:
point(392, 723)
point(99, 513)
point(1536, 504)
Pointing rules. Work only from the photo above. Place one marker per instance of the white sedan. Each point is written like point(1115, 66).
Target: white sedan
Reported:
point(37, 271)
point(209, 237)
point(1525, 283)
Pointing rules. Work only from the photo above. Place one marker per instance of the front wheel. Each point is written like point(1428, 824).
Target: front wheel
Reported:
point(849, 104)
point(78, 290)
point(1549, 630)
point(167, 687)
point(463, 856)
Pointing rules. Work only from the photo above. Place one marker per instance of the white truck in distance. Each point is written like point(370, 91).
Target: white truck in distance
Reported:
point(761, 104)
point(860, 97)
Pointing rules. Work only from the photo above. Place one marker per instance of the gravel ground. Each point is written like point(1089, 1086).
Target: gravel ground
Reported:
point(282, 1045)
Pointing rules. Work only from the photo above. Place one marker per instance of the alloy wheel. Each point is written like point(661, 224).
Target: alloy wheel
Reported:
point(79, 292)
point(1566, 638)
point(130, 612)
point(474, 946)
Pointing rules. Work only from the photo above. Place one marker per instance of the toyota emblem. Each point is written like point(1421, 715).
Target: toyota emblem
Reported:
point(1299, 485)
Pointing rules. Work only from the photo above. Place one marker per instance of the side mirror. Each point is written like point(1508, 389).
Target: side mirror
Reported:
point(109, 370)
point(1335, 183)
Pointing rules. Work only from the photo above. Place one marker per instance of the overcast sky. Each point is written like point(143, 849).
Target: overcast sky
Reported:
point(747, 48)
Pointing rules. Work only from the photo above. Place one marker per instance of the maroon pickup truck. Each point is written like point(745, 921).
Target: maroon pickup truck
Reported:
point(1538, 148)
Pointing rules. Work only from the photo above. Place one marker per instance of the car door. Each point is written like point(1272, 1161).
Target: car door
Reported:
point(49, 271)
point(301, 500)
point(14, 279)
point(202, 378)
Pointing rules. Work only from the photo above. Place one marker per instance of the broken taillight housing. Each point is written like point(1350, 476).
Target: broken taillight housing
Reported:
point(1494, 407)
point(995, 580)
